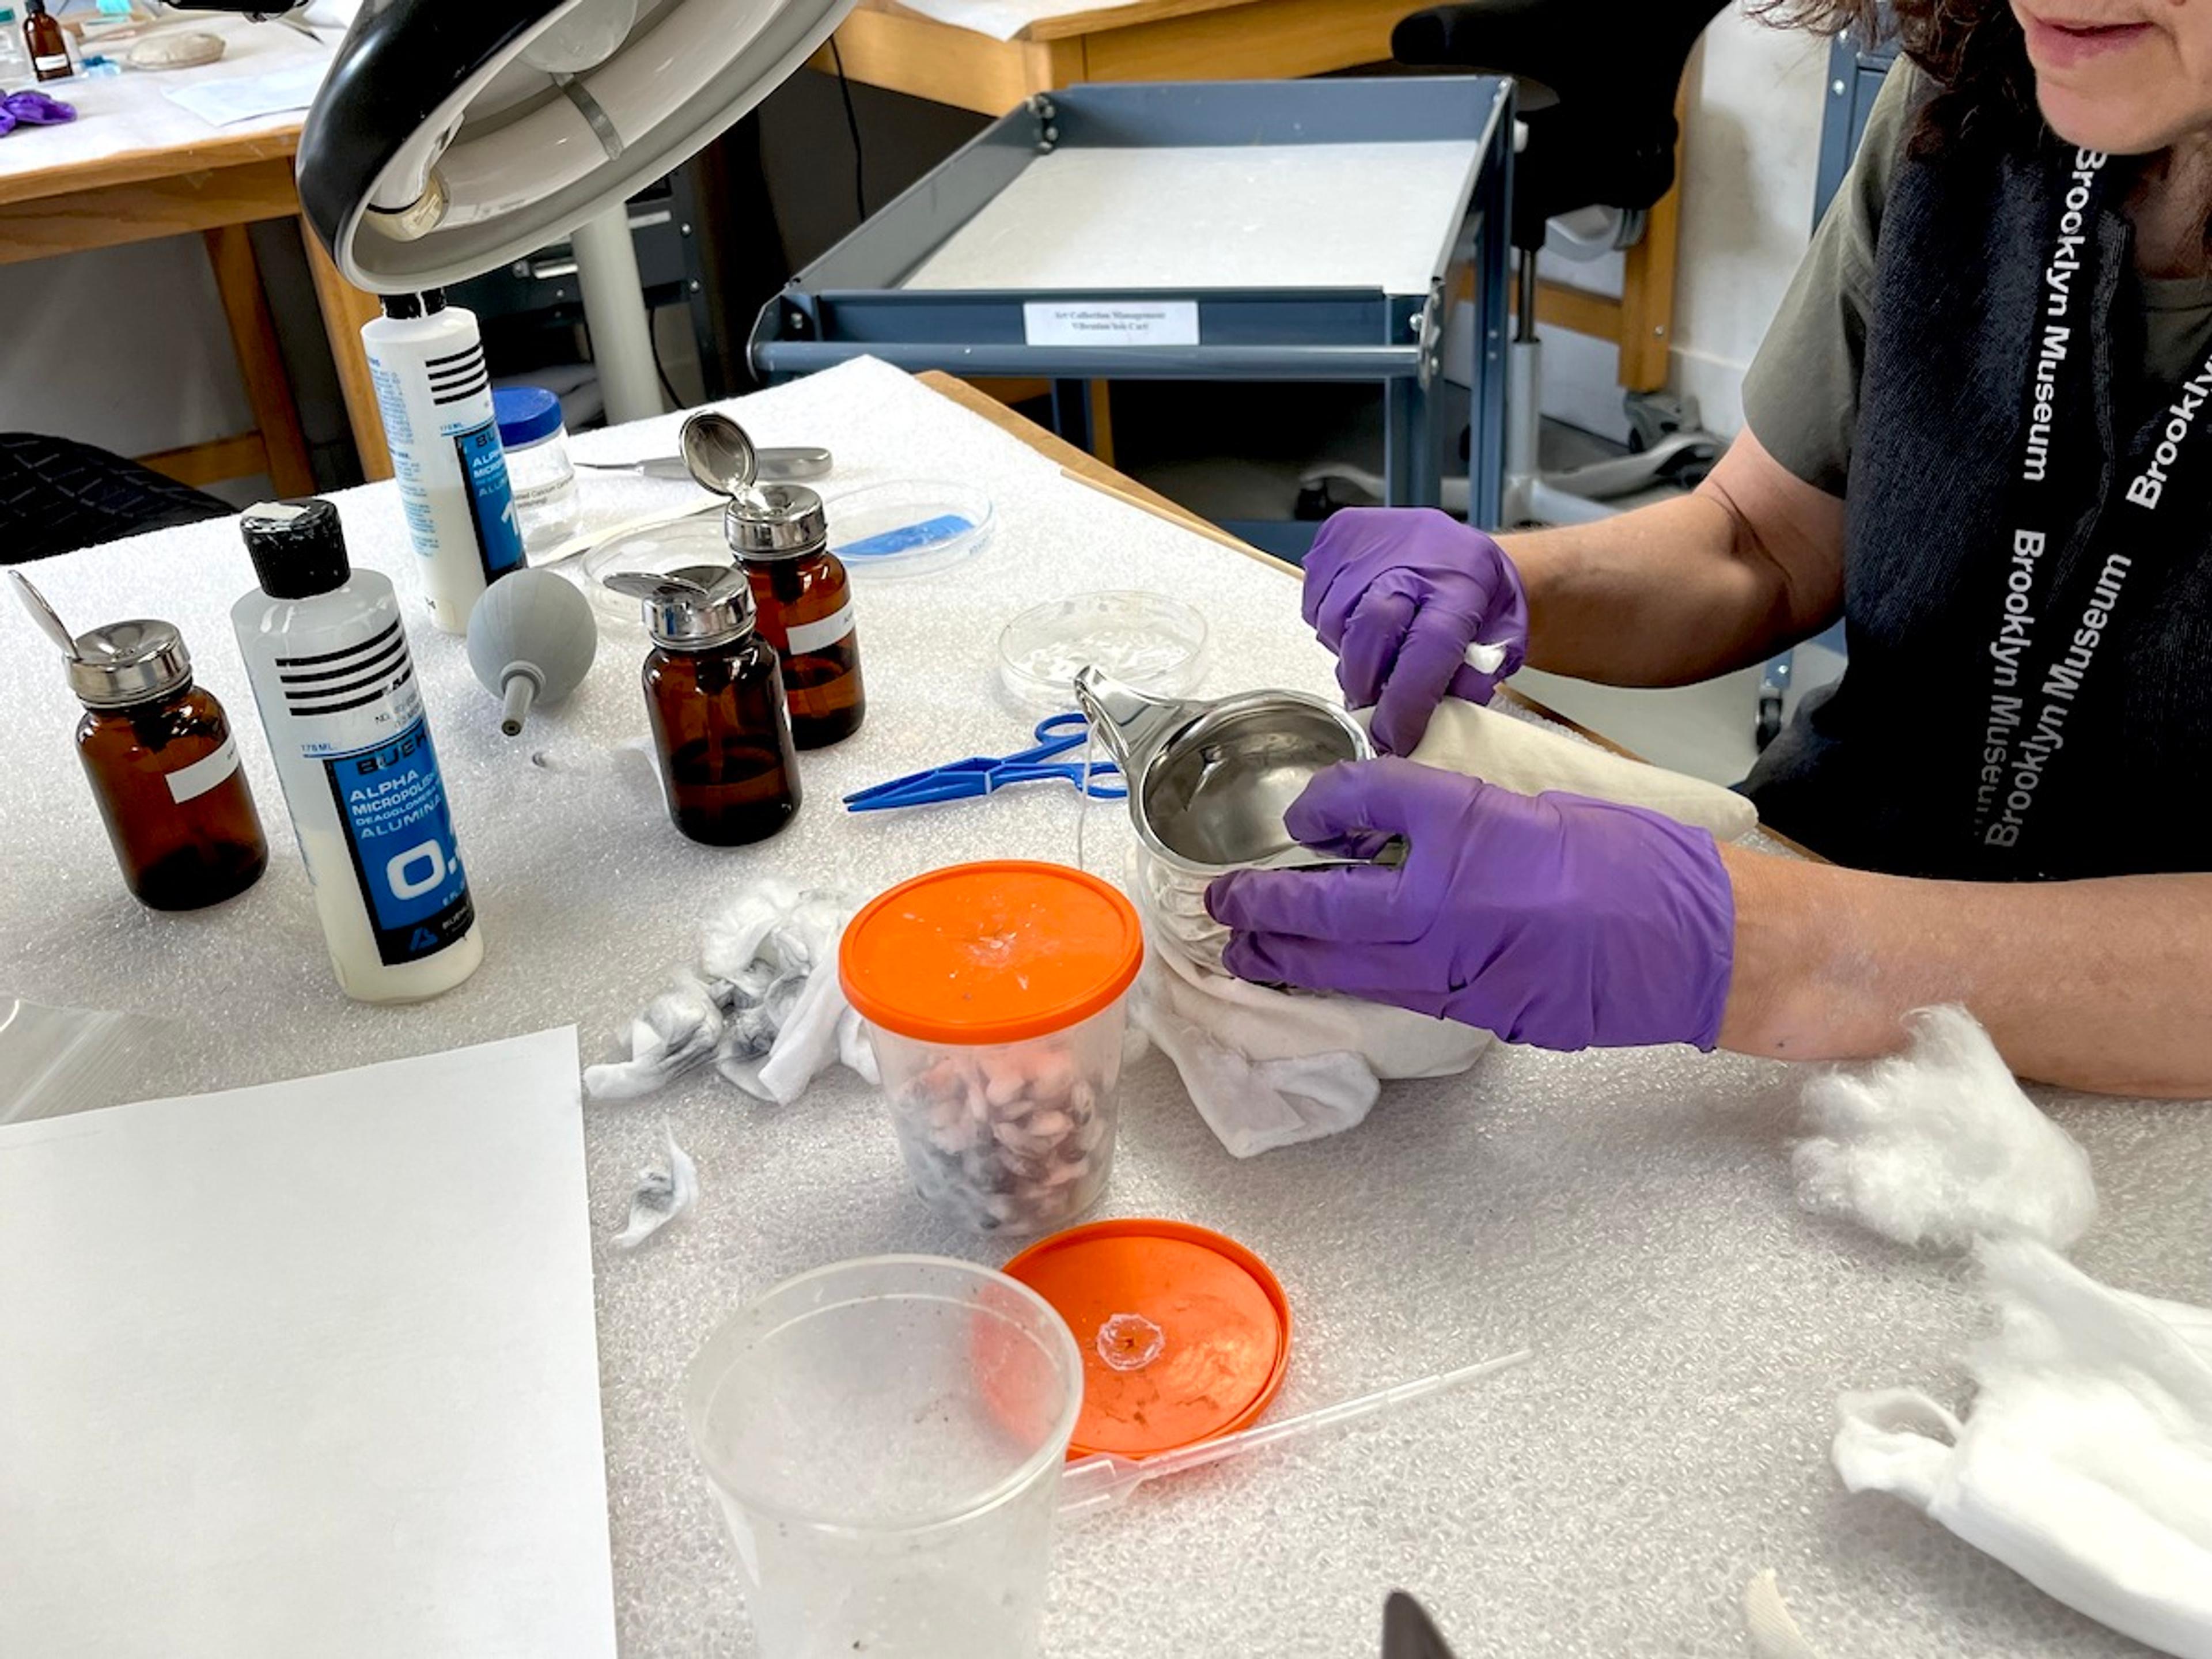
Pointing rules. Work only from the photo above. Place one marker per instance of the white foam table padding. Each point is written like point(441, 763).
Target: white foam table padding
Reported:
point(1629, 1215)
point(307, 1366)
point(1252, 216)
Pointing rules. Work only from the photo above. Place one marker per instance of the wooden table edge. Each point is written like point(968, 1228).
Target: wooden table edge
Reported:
point(137, 165)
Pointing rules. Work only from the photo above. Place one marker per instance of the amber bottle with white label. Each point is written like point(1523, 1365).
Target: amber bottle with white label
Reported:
point(804, 599)
point(164, 771)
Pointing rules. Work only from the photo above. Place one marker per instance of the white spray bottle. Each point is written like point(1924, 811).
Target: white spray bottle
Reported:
point(326, 654)
point(434, 394)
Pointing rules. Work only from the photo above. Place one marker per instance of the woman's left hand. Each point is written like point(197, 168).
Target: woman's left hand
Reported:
point(1554, 919)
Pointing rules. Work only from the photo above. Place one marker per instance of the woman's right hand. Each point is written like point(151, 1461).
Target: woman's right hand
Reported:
point(1398, 593)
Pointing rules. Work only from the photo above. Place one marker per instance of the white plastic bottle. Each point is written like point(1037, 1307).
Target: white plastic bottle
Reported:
point(326, 653)
point(434, 396)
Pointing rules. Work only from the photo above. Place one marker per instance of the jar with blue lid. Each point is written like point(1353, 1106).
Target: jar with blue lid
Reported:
point(537, 465)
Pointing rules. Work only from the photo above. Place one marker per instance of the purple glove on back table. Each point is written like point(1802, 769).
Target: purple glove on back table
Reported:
point(1398, 593)
point(33, 109)
point(1556, 920)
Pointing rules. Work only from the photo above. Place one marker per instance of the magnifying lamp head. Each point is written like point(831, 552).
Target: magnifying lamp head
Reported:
point(453, 138)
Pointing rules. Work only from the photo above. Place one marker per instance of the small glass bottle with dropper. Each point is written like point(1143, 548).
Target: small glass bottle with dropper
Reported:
point(715, 699)
point(158, 752)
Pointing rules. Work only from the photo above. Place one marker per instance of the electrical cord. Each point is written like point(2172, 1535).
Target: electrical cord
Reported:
point(853, 127)
point(653, 339)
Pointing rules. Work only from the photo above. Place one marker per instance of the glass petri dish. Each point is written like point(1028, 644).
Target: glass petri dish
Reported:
point(688, 542)
point(1147, 640)
point(907, 528)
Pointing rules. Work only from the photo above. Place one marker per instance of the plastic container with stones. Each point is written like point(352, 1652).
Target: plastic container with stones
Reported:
point(996, 998)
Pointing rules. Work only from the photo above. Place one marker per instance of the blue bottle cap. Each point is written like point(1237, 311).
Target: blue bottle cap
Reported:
point(525, 414)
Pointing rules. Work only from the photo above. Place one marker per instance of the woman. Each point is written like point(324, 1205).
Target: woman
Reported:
point(1978, 432)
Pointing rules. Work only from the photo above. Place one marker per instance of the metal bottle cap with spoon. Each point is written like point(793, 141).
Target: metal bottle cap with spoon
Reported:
point(694, 608)
point(762, 521)
point(117, 665)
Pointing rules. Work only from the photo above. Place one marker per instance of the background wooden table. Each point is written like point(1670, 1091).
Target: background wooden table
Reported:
point(135, 166)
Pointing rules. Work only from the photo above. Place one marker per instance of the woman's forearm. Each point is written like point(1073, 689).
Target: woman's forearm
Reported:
point(2104, 986)
point(1656, 597)
point(1682, 591)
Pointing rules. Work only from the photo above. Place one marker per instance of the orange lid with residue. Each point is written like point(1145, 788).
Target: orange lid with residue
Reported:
point(985, 953)
point(1185, 1334)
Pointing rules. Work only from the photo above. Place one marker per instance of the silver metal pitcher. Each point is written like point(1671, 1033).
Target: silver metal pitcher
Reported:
point(1209, 781)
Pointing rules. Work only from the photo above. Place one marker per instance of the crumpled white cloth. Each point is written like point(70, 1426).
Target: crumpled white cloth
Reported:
point(661, 1196)
point(1524, 756)
point(764, 1003)
point(1270, 1068)
point(1768, 1630)
point(2085, 1464)
point(1939, 1146)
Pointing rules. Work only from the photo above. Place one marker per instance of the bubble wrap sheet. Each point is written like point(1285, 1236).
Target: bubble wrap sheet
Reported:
point(1629, 1214)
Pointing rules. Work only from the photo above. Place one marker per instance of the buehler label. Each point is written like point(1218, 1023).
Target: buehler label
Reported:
point(392, 807)
point(491, 499)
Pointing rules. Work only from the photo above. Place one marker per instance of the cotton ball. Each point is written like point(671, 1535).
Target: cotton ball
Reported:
point(1938, 1146)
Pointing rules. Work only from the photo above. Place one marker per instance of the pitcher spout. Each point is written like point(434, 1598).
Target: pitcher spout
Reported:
point(1131, 724)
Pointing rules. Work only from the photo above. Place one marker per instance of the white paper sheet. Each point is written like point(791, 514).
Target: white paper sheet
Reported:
point(250, 97)
point(1002, 20)
point(306, 1368)
point(1209, 217)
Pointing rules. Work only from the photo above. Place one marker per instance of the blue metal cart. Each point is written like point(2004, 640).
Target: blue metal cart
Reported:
point(852, 300)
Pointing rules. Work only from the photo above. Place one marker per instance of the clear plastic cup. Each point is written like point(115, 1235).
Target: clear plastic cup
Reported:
point(887, 1437)
point(1014, 1138)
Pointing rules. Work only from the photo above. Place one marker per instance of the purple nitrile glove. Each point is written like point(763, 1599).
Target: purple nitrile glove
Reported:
point(1398, 593)
point(33, 109)
point(1554, 919)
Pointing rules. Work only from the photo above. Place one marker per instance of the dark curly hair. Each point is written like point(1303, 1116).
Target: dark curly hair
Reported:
point(1974, 50)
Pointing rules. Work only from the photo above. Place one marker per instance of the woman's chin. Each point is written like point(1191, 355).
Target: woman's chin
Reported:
point(2117, 126)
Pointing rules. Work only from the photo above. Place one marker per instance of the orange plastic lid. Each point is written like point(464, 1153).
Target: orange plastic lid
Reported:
point(1000, 952)
point(1184, 1334)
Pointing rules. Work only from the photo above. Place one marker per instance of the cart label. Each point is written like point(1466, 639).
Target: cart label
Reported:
point(1110, 322)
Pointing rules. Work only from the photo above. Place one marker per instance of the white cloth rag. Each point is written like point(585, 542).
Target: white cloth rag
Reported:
point(2085, 1464)
point(1524, 755)
point(764, 1005)
point(1938, 1146)
point(1768, 1630)
point(662, 1195)
point(1270, 1068)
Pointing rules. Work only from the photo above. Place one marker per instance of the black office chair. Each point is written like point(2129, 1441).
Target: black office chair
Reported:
point(1597, 80)
point(57, 495)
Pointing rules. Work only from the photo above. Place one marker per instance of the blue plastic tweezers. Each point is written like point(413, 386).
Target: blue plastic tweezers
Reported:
point(980, 774)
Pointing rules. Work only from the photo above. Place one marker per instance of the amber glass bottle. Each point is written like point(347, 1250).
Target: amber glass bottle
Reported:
point(158, 753)
point(49, 46)
point(804, 599)
point(715, 699)
point(166, 776)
